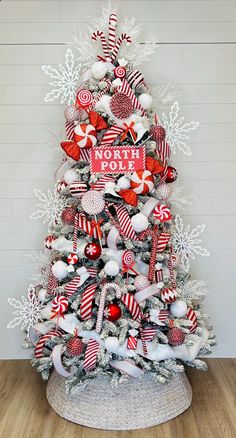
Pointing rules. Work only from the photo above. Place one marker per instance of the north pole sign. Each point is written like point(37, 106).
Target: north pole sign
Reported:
point(117, 159)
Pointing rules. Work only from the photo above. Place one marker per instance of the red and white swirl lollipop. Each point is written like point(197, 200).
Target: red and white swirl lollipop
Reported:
point(59, 305)
point(84, 98)
point(120, 72)
point(162, 213)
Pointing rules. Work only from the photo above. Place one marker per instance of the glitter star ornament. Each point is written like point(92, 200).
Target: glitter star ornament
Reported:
point(27, 311)
point(65, 79)
point(186, 242)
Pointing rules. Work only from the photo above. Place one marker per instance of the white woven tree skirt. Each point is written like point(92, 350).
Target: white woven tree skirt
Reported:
point(135, 404)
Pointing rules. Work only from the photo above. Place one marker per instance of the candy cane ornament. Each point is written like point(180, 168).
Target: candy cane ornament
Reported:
point(40, 344)
point(102, 303)
point(154, 235)
point(123, 37)
point(100, 34)
point(112, 31)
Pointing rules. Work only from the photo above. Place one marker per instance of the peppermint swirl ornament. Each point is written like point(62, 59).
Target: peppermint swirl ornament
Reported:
point(85, 136)
point(162, 213)
point(121, 106)
point(120, 72)
point(128, 258)
point(59, 305)
point(92, 202)
point(84, 98)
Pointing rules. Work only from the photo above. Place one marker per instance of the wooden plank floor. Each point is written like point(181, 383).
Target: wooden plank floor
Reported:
point(25, 413)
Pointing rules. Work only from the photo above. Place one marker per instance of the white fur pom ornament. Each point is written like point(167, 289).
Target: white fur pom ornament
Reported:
point(178, 308)
point(145, 100)
point(139, 222)
point(123, 183)
point(70, 176)
point(59, 269)
point(111, 268)
point(42, 295)
point(98, 70)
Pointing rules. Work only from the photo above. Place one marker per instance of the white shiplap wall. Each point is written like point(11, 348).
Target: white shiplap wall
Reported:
point(197, 51)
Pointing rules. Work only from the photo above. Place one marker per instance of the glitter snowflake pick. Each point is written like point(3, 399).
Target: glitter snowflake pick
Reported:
point(176, 130)
point(185, 242)
point(65, 79)
point(51, 205)
point(27, 310)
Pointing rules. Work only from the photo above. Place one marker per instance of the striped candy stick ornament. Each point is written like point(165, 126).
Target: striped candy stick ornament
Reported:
point(152, 262)
point(132, 343)
point(127, 90)
point(124, 225)
point(40, 344)
point(123, 37)
point(75, 233)
point(132, 305)
point(100, 34)
point(191, 315)
point(91, 355)
point(87, 302)
point(163, 239)
point(111, 135)
point(112, 31)
point(171, 270)
point(52, 282)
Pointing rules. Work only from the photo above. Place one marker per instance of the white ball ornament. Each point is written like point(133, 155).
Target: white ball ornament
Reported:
point(145, 100)
point(139, 222)
point(123, 183)
point(42, 294)
point(98, 70)
point(111, 268)
point(112, 344)
point(70, 176)
point(59, 269)
point(141, 282)
point(178, 308)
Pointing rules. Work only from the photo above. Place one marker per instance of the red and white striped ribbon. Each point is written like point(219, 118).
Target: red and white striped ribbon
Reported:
point(163, 315)
point(70, 128)
point(112, 31)
point(146, 335)
point(78, 188)
point(111, 135)
point(163, 239)
point(127, 90)
point(164, 149)
point(100, 34)
point(191, 315)
point(132, 305)
point(101, 183)
point(87, 302)
point(91, 355)
point(85, 225)
point(72, 286)
point(40, 344)
point(124, 225)
point(123, 37)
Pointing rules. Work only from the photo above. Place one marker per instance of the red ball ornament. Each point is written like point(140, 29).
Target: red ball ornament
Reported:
point(68, 215)
point(171, 174)
point(158, 133)
point(92, 251)
point(175, 336)
point(72, 258)
point(112, 312)
point(121, 106)
point(74, 347)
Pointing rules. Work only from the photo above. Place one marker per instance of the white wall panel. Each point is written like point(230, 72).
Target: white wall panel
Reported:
point(197, 54)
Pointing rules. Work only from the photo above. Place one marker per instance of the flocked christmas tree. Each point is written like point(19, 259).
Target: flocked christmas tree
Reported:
point(114, 294)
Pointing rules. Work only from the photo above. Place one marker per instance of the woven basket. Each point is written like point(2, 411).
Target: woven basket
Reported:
point(135, 404)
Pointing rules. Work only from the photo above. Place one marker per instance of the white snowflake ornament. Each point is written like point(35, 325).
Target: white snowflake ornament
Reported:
point(176, 130)
point(27, 311)
point(65, 81)
point(185, 242)
point(51, 205)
